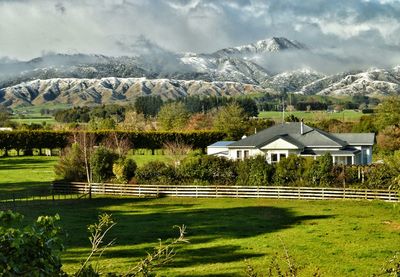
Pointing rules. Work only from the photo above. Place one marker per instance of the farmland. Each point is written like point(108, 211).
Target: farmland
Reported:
point(341, 238)
point(346, 115)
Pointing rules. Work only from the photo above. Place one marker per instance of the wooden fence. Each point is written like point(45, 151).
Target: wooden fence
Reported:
point(308, 193)
point(22, 199)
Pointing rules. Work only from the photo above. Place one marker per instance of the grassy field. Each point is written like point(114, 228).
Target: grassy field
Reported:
point(341, 238)
point(26, 174)
point(29, 115)
point(35, 173)
point(346, 115)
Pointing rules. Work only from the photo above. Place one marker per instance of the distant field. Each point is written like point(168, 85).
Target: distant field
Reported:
point(29, 115)
point(347, 115)
point(37, 119)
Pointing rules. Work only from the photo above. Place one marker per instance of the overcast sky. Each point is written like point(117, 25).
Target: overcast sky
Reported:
point(29, 28)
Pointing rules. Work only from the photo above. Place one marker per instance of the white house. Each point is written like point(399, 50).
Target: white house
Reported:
point(282, 140)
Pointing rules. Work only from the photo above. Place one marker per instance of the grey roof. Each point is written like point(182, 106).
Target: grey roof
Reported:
point(221, 143)
point(290, 131)
point(357, 138)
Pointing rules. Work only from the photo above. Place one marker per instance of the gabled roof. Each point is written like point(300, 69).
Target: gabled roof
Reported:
point(357, 138)
point(286, 138)
point(291, 132)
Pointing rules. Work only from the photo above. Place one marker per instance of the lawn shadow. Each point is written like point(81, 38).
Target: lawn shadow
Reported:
point(24, 189)
point(141, 222)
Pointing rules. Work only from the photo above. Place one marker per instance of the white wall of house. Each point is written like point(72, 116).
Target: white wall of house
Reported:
point(243, 153)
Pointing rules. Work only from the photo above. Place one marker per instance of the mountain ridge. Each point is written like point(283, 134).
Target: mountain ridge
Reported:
point(173, 75)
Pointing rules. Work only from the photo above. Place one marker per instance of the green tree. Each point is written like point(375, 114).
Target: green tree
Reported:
point(148, 105)
point(388, 113)
point(4, 115)
point(173, 116)
point(101, 164)
point(231, 120)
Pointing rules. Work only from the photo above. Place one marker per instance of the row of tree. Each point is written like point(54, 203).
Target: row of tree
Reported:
point(29, 140)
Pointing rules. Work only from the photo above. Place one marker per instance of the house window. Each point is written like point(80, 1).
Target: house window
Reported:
point(282, 156)
point(246, 154)
point(239, 154)
point(274, 158)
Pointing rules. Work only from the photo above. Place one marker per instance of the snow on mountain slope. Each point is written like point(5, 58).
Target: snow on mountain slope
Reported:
point(274, 44)
point(372, 82)
point(111, 90)
point(292, 80)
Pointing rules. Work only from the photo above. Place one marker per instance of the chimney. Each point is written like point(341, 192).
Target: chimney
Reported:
point(301, 127)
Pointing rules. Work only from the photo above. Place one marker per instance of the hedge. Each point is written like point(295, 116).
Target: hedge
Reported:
point(27, 140)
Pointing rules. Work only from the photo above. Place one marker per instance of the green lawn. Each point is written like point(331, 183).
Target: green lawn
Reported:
point(341, 238)
point(26, 174)
point(35, 173)
point(346, 115)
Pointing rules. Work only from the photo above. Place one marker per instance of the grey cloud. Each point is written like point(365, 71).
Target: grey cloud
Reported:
point(123, 27)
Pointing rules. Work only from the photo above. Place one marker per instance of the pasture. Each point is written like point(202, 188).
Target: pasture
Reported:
point(312, 116)
point(341, 238)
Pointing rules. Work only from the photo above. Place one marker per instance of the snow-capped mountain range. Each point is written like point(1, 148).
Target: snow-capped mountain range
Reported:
point(96, 79)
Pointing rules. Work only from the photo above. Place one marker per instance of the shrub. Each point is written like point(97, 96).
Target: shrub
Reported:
point(33, 250)
point(207, 170)
point(71, 166)
point(124, 169)
point(289, 170)
point(155, 172)
point(320, 171)
point(344, 175)
point(101, 164)
point(254, 172)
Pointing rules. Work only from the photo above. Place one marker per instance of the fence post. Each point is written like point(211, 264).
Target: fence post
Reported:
point(196, 192)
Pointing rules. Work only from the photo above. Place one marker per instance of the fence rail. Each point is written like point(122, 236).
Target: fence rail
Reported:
point(310, 193)
point(23, 199)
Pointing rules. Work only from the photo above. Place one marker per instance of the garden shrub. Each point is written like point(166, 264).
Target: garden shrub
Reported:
point(320, 171)
point(289, 170)
point(344, 175)
point(378, 177)
point(71, 166)
point(254, 172)
point(124, 169)
point(101, 164)
point(155, 172)
point(207, 170)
